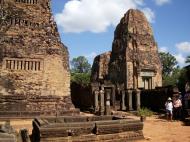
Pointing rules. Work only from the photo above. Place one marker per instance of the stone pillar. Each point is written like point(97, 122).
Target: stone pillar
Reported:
point(113, 97)
point(11, 64)
point(123, 106)
point(138, 99)
point(36, 66)
point(129, 100)
point(102, 109)
point(108, 111)
point(96, 103)
point(27, 65)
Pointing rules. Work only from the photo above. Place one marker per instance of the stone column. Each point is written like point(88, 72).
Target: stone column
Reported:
point(123, 106)
point(96, 103)
point(113, 97)
point(108, 111)
point(11, 64)
point(129, 100)
point(36, 66)
point(138, 99)
point(102, 109)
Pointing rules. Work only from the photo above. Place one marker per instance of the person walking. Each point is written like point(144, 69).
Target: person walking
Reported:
point(169, 109)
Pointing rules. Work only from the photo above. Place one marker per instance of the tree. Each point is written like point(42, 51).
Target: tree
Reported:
point(80, 65)
point(80, 71)
point(169, 63)
point(170, 71)
point(187, 59)
point(182, 80)
point(82, 79)
point(173, 78)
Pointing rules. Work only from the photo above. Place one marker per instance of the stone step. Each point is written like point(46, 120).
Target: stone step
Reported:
point(118, 137)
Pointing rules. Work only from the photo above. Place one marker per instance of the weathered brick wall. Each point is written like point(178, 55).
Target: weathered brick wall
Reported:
point(134, 51)
point(33, 60)
point(100, 67)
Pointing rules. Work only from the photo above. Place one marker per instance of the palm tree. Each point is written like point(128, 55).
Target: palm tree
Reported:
point(187, 59)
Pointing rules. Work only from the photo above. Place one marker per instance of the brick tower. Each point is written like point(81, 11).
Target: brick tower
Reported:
point(34, 64)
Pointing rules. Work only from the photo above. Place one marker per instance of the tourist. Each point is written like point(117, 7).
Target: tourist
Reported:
point(169, 109)
point(177, 108)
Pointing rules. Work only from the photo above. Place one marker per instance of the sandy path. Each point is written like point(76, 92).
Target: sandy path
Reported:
point(160, 130)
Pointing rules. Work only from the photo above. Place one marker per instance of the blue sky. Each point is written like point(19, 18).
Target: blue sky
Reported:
point(87, 26)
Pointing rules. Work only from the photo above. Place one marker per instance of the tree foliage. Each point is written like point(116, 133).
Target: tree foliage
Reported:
point(169, 63)
point(80, 78)
point(173, 78)
point(80, 65)
point(173, 74)
point(183, 79)
point(80, 71)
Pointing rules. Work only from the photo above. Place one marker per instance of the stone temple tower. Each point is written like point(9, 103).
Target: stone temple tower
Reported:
point(134, 62)
point(33, 61)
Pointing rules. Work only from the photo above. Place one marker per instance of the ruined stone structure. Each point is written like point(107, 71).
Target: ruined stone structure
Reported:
point(34, 64)
point(100, 67)
point(86, 129)
point(133, 62)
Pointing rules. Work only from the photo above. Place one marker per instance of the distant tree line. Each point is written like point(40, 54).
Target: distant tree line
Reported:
point(172, 74)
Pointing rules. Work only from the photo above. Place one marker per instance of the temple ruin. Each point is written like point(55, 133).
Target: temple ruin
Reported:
point(34, 64)
point(132, 65)
point(35, 81)
point(86, 129)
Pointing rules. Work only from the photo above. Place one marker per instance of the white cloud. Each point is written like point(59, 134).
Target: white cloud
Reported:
point(95, 15)
point(149, 14)
point(91, 55)
point(180, 59)
point(183, 47)
point(162, 2)
point(163, 49)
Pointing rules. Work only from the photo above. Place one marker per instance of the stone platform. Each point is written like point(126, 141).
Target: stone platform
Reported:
point(86, 129)
point(23, 106)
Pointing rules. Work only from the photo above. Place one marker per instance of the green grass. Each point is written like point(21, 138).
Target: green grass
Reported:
point(144, 112)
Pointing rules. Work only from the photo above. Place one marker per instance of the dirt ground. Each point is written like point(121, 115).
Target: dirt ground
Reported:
point(155, 129)
point(160, 130)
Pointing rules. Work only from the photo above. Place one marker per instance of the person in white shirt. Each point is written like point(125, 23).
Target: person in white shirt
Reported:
point(169, 109)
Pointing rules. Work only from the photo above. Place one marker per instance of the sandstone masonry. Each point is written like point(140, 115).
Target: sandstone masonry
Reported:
point(34, 64)
point(133, 62)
